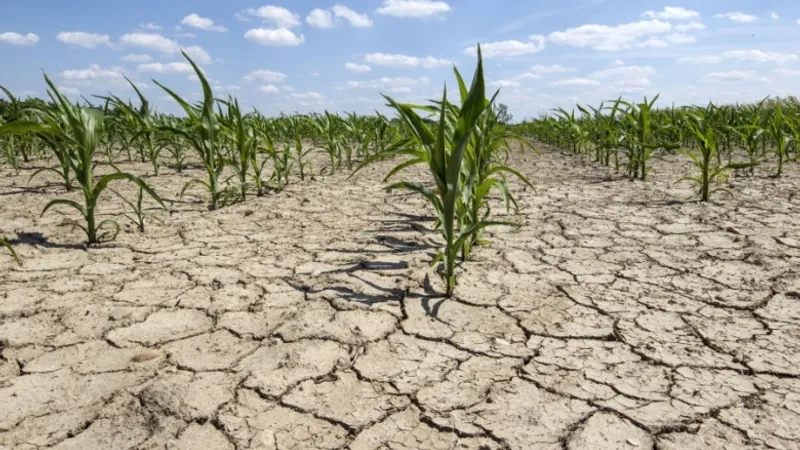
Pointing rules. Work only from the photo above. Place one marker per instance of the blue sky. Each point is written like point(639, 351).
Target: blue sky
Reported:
point(312, 55)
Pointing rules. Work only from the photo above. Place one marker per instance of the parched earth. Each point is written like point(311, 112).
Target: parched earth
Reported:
point(617, 317)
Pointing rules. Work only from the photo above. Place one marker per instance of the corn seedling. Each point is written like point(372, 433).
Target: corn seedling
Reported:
point(779, 129)
point(139, 215)
point(202, 132)
point(142, 124)
point(443, 149)
point(704, 158)
point(81, 128)
point(243, 142)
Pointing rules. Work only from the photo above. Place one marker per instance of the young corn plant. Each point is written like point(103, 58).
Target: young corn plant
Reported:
point(639, 138)
point(81, 128)
point(243, 142)
point(143, 124)
point(202, 132)
point(485, 168)
point(442, 149)
point(139, 214)
point(326, 125)
point(704, 158)
point(780, 130)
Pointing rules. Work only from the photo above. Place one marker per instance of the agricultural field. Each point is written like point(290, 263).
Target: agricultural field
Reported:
point(623, 276)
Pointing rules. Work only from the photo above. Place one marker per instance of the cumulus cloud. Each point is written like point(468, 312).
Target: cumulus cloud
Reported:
point(320, 18)
point(150, 41)
point(137, 58)
point(84, 39)
point(202, 23)
point(93, 73)
point(509, 48)
point(691, 26)
point(388, 82)
point(574, 82)
point(324, 18)
point(672, 13)
point(268, 89)
point(710, 59)
point(504, 83)
point(355, 19)
point(735, 76)
point(404, 61)
point(174, 67)
point(265, 75)
point(738, 17)
point(760, 56)
point(358, 68)
point(610, 38)
point(9, 37)
point(414, 8)
point(274, 37)
point(553, 68)
point(276, 15)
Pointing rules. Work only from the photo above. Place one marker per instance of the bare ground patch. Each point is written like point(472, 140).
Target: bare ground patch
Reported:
point(617, 316)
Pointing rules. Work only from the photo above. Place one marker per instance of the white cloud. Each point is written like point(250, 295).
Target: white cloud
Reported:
point(357, 20)
point(151, 41)
point(735, 76)
point(274, 36)
point(553, 68)
point(12, 38)
point(760, 56)
point(137, 57)
point(83, 39)
point(198, 54)
point(66, 90)
point(307, 96)
point(186, 35)
point(654, 42)
point(574, 82)
point(610, 38)
point(265, 75)
point(227, 88)
point(529, 76)
point(774, 16)
point(268, 89)
point(279, 16)
point(320, 18)
point(510, 48)
point(788, 72)
point(323, 18)
point(680, 38)
point(738, 17)
point(358, 68)
point(672, 13)
point(202, 23)
point(93, 73)
point(401, 90)
point(404, 61)
point(413, 8)
point(174, 67)
point(504, 83)
point(619, 62)
point(689, 26)
point(699, 60)
point(388, 83)
point(624, 73)
point(149, 26)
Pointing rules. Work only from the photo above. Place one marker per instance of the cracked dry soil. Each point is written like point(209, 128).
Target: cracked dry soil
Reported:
point(617, 317)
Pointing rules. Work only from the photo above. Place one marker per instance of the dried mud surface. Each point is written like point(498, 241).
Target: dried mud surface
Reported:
point(618, 317)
